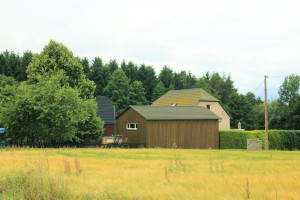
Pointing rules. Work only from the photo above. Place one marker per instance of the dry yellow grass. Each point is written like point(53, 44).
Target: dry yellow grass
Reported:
point(141, 173)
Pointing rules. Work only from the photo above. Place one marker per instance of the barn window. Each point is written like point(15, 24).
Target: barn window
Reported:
point(174, 104)
point(131, 126)
point(208, 106)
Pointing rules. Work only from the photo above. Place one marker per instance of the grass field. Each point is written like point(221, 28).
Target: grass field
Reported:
point(148, 174)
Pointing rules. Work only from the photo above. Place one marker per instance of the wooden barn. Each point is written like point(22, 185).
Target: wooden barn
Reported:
point(162, 126)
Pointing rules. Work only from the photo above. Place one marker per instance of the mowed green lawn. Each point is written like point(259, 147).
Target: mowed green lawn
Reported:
point(148, 174)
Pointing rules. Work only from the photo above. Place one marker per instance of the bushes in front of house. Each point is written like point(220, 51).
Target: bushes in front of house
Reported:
point(278, 139)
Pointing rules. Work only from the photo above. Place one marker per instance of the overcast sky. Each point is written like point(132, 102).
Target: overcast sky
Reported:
point(245, 39)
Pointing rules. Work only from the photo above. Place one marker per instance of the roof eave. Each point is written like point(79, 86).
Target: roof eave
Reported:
point(210, 100)
point(180, 119)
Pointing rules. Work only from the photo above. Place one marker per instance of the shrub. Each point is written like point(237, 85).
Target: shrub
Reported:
point(278, 139)
point(274, 139)
point(233, 140)
point(290, 139)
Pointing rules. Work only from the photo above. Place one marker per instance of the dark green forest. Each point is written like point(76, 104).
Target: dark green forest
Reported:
point(36, 87)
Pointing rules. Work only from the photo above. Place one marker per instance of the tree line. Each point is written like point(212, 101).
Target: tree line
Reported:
point(35, 77)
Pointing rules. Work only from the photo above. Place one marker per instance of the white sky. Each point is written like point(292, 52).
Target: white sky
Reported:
point(245, 38)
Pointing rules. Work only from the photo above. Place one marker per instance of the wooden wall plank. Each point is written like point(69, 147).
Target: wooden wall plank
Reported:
point(186, 134)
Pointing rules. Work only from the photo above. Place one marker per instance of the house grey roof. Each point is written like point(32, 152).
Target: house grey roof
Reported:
point(175, 112)
point(105, 110)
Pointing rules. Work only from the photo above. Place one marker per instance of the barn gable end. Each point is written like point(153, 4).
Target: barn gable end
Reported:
point(135, 137)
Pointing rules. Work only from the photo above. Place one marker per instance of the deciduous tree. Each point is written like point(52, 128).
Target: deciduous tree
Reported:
point(57, 101)
point(241, 111)
point(137, 94)
point(158, 91)
point(118, 90)
point(289, 98)
point(48, 111)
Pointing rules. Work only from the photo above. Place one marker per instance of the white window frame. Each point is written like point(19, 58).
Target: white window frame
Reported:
point(129, 127)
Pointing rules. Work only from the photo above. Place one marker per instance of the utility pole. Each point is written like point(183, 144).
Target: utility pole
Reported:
point(266, 118)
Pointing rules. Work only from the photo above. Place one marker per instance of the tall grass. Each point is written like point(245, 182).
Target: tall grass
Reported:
point(145, 174)
point(34, 182)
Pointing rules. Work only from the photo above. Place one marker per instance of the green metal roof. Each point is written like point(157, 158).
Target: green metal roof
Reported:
point(174, 112)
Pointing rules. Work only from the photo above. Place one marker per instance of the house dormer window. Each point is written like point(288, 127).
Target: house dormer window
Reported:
point(174, 104)
point(208, 106)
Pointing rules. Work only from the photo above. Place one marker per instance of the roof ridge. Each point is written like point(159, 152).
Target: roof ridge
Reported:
point(188, 89)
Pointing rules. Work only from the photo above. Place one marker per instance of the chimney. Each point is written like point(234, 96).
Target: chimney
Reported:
point(239, 125)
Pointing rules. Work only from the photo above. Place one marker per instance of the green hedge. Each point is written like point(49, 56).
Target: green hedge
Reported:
point(278, 139)
point(290, 140)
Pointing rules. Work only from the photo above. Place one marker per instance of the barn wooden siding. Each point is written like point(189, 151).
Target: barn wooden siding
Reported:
point(134, 136)
point(188, 134)
point(200, 134)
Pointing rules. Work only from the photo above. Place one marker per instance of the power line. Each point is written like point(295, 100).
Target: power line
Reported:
point(258, 86)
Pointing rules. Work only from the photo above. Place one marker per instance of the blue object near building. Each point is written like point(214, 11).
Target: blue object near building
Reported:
point(2, 130)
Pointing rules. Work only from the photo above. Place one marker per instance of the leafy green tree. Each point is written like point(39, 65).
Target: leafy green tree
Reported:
point(258, 111)
point(25, 60)
point(112, 66)
point(222, 86)
point(158, 91)
point(289, 98)
point(55, 57)
point(253, 99)
point(118, 90)
point(10, 63)
point(104, 78)
point(54, 76)
point(130, 70)
point(259, 116)
point(277, 115)
point(189, 80)
point(147, 76)
point(86, 66)
point(137, 95)
point(204, 84)
point(2, 63)
point(6, 80)
point(96, 76)
point(48, 110)
point(166, 76)
point(179, 80)
point(171, 87)
point(241, 111)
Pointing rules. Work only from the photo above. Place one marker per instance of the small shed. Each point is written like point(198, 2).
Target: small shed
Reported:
point(162, 126)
